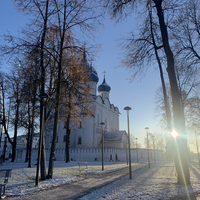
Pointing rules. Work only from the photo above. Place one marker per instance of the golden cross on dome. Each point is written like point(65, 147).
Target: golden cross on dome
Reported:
point(104, 72)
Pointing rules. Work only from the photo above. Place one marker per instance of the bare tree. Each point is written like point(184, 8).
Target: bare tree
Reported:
point(122, 9)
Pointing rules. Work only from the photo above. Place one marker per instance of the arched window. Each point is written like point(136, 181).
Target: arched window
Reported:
point(106, 122)
point(79, 140)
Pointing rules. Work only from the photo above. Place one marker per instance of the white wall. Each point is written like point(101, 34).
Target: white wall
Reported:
point(91, 154)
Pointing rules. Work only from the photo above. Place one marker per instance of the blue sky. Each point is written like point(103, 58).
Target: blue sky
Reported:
point(139, 95)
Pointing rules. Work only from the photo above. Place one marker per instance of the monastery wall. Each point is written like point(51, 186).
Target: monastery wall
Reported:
point(95, 154)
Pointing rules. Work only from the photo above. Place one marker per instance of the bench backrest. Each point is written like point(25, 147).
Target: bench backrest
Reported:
point(82, 163)
point(5, 173)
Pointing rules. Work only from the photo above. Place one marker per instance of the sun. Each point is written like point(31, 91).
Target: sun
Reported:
point(174, 133)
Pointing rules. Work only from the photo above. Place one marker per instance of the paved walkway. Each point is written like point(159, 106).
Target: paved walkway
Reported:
point(80, 188)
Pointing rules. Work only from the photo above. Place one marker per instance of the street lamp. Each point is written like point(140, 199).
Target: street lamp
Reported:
point(136, 148)
point(102, 125)
point(127, 108)
point(147, 128)
point(154, 148)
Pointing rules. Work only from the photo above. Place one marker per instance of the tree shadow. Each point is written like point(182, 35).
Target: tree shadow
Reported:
point(190, 192)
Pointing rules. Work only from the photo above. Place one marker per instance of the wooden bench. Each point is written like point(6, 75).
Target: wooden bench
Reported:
point(82, 164)
point(4, 175)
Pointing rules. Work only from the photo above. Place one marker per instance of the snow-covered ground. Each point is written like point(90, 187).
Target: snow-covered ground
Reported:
point(22, 180)
point(158, 182)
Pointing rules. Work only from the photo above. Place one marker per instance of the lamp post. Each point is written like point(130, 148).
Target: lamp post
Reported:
point(127, 108)
point(127, 149)
point(102, 125)
point(154, 148)
point(147, 128)
point(136, 148)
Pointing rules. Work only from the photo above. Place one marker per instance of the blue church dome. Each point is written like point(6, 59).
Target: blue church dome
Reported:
point(92, 75)
point(104, 87)
point(90, 71)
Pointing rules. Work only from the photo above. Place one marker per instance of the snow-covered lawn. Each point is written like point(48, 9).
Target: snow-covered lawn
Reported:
point(22, 180)
point(158, 182)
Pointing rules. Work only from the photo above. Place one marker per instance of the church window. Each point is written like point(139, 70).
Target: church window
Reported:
point(106, 122)
point(79, 140)
point(57, 139)
point(64, 138)
point(65, 126)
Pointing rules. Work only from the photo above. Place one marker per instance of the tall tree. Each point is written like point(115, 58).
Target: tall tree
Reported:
point(121, 8)
point(78, 94)
point(13, 85)
point(70, 15)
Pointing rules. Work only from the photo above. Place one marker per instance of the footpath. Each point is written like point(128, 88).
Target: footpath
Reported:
point(79, 188)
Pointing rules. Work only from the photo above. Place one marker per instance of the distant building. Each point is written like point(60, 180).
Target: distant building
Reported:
point(22, 143)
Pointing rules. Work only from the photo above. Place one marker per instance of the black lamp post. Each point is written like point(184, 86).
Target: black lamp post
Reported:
point(127, 149)
point(136, 148)
point(147, 128)
point(102, 125)
point(127, 108)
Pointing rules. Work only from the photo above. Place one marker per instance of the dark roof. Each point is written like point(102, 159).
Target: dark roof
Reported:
point(104, 87)
point(114, 135)
point(90, 71)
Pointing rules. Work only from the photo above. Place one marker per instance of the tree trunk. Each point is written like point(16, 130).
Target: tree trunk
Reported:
point(43, 159)
point(4, 123)
point(32, 125)
point(42, 90)
point(178, 116)
point(28, 145)
point(166, 102)
point(16, 126)
point(29, 134)
point(67, 144)
point(31, 141)
point(57, 99)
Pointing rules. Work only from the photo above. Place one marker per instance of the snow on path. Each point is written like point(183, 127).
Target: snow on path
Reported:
point(158, 182)
point(22, 180)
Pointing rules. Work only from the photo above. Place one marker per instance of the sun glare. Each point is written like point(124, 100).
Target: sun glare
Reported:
point(174, 133)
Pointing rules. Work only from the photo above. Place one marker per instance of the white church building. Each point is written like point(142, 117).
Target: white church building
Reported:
point(86, 137)
point(88, 133)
